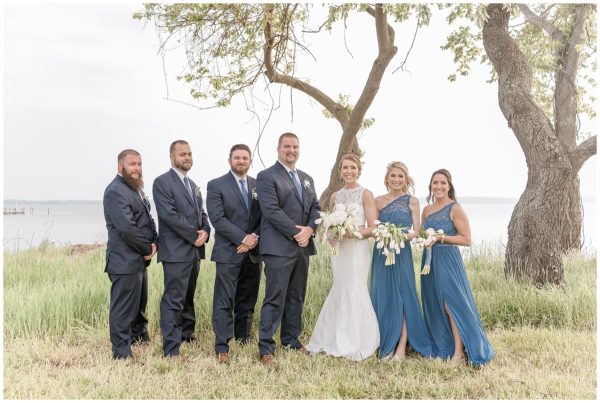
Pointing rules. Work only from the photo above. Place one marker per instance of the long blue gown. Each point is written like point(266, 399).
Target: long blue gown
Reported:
point(447, 283)
point(393, 290)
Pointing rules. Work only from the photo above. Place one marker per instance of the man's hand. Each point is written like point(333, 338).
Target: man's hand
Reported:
point(303, 236)
point(149, 257)
point(249, 242)
point(202, 237)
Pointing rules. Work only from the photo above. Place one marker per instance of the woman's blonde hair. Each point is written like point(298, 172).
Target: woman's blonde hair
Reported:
point(409, 185)
point(353, 158)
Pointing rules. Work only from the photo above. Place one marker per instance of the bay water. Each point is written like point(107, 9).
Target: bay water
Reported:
point(82, 222)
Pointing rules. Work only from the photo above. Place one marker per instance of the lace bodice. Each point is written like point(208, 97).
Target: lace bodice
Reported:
point(352, 198)
point(441, 220)
point(397, 212)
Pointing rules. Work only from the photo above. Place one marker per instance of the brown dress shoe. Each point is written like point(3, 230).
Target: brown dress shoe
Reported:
point(223, 358)
point(303, 350)
point(267, 360)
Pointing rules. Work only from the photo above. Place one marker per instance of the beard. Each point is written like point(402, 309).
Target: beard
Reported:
point(134, 183)
point(184, 167)
point(240, 170)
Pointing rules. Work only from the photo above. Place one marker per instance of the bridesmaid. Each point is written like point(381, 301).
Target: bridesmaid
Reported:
point(393, 291)
point(450, 311)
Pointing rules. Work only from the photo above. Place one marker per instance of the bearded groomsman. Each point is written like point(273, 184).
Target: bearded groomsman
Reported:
point(183, 232)
point(131, 244)
point(235, 214)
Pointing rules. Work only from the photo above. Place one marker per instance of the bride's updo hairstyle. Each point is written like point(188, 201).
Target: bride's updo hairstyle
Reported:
point(350, 157)
point(409, 185)
point(451, 192)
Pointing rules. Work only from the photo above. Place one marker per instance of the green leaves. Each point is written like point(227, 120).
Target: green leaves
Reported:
point(541, 50)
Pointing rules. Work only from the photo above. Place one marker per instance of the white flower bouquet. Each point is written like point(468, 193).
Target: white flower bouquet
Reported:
point(339, 223)
point(425, 240)
point(390, 239)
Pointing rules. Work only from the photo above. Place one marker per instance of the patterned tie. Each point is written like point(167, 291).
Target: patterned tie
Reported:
point(244, 192)
point(296, 183)
point(188, 186)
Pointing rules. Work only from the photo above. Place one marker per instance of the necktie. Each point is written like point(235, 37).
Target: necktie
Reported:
point(296, 182)
point(244, 192)
point(188, 186)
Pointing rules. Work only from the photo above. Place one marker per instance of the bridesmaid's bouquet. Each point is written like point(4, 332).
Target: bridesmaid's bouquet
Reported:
point(339, 223)
point(390, 239)
point(425, 239)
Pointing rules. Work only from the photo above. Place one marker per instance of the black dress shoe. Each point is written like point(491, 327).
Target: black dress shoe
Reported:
point(188, 339)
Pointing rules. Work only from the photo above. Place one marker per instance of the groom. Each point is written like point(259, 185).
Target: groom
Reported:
point(289, 208)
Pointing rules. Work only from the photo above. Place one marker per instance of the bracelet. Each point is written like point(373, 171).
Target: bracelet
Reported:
point(443, 236)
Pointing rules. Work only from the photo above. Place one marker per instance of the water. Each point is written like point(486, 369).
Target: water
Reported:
point(68, 223)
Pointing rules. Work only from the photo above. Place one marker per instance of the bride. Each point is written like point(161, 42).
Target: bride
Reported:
point(347, 325)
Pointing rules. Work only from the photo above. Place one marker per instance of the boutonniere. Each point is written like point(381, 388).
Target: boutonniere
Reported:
point(306, 184)
point(198, 192)
point(254, 194)
point(145, 196)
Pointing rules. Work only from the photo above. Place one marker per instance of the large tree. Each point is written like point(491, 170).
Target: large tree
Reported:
point(230, 47)
point(540, 63)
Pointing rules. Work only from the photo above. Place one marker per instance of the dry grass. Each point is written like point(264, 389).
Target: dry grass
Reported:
point(56, 342)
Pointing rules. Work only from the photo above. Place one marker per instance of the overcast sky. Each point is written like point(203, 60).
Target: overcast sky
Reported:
point(83, 82)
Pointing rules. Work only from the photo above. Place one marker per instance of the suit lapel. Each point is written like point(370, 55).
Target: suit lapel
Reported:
point(283, 172)
point(234, 185)
point(179, 184)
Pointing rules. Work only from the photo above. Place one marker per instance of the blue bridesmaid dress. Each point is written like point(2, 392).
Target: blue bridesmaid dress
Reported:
point(393, 289)
point(447, 282)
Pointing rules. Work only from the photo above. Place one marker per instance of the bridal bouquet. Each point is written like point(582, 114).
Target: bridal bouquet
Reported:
point(425, 239)
point(390, 239)
point(339, 223)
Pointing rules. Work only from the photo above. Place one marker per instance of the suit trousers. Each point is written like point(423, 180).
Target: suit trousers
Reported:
point(284, 300)
point(177, 314)
point(126, 318)
point(235, 295)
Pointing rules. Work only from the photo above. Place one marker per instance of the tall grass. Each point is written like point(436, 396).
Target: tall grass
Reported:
point(56, 340)
point(49, 293)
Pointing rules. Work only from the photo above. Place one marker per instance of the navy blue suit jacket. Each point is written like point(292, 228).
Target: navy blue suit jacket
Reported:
point(282, 209)
point(180, 217)
point(230, 217)
point(131, 229)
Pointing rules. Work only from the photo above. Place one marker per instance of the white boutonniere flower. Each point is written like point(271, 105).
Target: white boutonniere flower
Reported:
point(306, 184)
point(145, 196)
point(254, 194)
point(198, 192)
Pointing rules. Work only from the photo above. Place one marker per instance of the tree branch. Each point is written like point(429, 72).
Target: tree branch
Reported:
point(565, 89)
point(583, 152)
point(336, 109)
point(387, 50)
point(572, 54)
point(543, 23)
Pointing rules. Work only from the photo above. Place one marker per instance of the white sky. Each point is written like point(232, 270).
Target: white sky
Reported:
point(82, 82)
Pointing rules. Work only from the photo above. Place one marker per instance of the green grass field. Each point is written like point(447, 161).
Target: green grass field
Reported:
point(56, 343)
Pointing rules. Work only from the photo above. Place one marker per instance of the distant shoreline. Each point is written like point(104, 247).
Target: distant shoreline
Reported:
point(465, 200)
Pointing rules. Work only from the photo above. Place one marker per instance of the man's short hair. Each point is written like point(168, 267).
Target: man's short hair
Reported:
point(287, 134)
point(125, 153)
point(236, 147)
point(173, 144)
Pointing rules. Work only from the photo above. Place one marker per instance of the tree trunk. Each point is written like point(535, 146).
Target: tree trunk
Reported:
point(535, 245)
point(547, 219)
point(348, 144)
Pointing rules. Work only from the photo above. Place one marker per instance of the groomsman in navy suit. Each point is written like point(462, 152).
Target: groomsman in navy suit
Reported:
point(289, 208)
point(235, 214)
point(131, 244)
point(183, 232)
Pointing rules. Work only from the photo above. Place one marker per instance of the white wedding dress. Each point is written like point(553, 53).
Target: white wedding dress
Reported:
point(347, 324)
